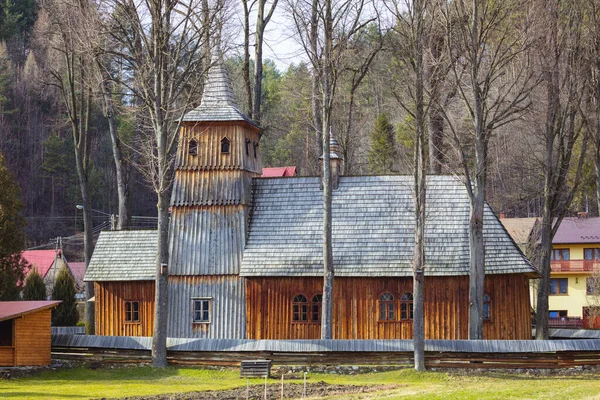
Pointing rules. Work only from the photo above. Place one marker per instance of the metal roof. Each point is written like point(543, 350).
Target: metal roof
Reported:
point(218, 100)
point(578, 230)
point(13, 309)
point(373, 229)
point(278, 172)
point(124, 256)
point(520, 229)
point(42, 260)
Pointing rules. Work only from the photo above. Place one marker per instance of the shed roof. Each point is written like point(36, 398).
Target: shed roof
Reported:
point(373, 229)
point(218, 100)
point(124, 256)
point(14, 309)
point(578, 230)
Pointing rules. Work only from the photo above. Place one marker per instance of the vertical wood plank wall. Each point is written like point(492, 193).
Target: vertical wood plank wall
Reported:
point(33, 338)
point(269, 308)
point(110, 308)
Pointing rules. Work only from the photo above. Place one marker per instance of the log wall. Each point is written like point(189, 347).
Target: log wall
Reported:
point(356, 308)
point(110, 308)
point(31, 341)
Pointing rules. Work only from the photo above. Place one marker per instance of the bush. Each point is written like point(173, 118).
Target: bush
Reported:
point(64, 289)
point(35, 288)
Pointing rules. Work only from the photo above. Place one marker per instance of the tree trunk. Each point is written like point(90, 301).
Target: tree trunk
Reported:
point(328, 268)
point(477, 272)
point(246, 66)
point(316, 77)
point(435, 115)
point(159, 337)
point(543, 287)
point(420, 170)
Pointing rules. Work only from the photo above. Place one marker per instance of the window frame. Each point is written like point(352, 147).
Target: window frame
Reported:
point(130, 314)
point(565, 312)
point(407, 307)
point(209, 300)
point(225, 142)
point(558, 293)
point(384, 307)
point(592, 286)
point(559, 255)
point(311, 308)
point(595, 253)
point(193, 147)
point(296, 302)
point(487, 307)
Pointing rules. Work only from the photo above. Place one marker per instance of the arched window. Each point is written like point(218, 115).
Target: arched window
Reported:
point(486, 307)
point(406, 306)
point(315, 308)
point(300, 309)
point(386, 307)
point(193, 148)
point(225, 144)
point(247, 147)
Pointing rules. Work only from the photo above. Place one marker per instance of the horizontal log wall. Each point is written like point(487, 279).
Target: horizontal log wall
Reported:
point(110, 308)
point(7, 356)
point(356, 308)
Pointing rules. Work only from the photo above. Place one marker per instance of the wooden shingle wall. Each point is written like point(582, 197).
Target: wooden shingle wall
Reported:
point(110, 308)
point(356, 308)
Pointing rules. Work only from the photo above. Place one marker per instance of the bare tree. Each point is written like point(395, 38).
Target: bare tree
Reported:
point(560, 56)
point(490, 70)
point(69, 69)
point(161, 43)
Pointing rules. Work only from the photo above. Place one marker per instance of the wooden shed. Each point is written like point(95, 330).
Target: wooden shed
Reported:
point(25, 332)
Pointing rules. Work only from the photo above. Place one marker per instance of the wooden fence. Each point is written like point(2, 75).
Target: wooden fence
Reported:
point(438, 353)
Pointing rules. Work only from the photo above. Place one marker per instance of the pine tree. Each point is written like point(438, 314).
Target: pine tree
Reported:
point(383, 147)
point(64, 289)
point(35, 288)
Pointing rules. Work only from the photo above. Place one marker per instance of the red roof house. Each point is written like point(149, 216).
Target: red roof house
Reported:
point(278, 172)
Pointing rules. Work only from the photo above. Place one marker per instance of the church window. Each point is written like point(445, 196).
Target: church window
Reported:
point(255, 149)
point(315, 308)
point(132, 311)
point(406, 306)
point(300, 309)
point(202, 308)
point(487, 316)
point(193, 148)
point(225, 144)
point(247, 146)
point(387, 307)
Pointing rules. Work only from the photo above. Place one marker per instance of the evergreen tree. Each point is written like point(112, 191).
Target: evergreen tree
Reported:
point(12, 265)
point(35, 288)
point(64, 289)
point(382, 153)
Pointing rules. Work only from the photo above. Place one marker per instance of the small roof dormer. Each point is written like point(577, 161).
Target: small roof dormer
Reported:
point(218, 100)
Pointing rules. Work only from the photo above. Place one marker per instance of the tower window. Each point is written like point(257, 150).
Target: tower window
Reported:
point(247, 146)
point(225, 144)
point(193, 148)
point(255, 148)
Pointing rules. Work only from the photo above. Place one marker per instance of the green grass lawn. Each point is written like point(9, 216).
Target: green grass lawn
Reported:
point(81, 382)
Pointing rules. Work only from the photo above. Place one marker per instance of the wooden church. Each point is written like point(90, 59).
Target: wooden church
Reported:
point(246, 252)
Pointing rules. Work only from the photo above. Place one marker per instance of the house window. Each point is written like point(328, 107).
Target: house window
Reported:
point(486, 307)
point(386, 307)
point(560, 255)
point(591, 254)
point(406, 306)
point(201, 311)
point(247, 146)
point(592, 285)
point(255, 145)
point(559, 286)
point(6, 333)
point(300, 309)
point(315, 308)
point(225, 144)
point(556, 314)
point(193, 148)
point(132, 311)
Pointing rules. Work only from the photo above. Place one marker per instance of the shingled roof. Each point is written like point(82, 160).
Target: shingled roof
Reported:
point(218, 100)
point(373, 229)
point(123, 256)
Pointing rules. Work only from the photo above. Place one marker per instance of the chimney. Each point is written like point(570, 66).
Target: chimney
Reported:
point(582, 214)
point(335, 160)
point(502, 215)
